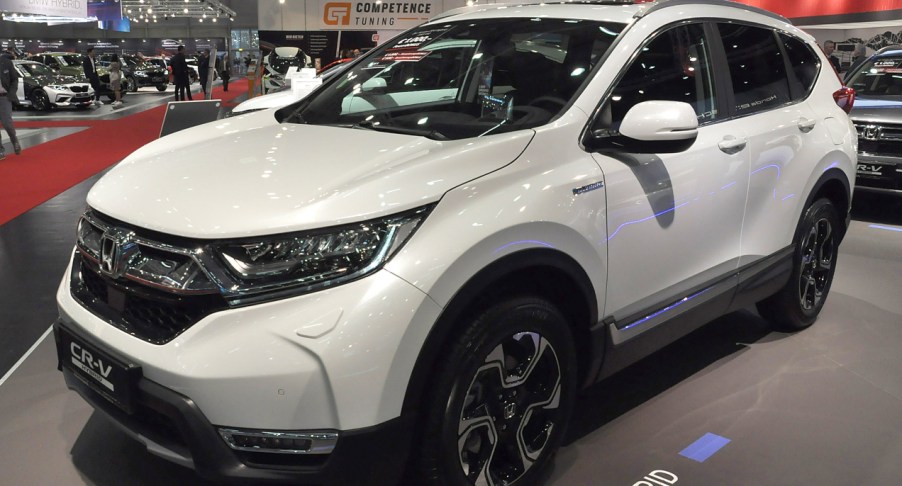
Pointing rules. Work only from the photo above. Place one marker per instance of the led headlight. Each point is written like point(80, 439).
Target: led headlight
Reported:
point(56, 87)
point(322, 257)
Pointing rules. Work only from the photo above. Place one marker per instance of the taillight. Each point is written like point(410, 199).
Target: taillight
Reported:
point(844, 98)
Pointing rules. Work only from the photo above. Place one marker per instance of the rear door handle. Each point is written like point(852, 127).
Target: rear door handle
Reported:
point(806, 125)
point(731, 145)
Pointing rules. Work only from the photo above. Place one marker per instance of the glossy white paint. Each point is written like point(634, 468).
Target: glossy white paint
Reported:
point(249, 367)
point(342, 357)
point(271, 100)
point(221, 180)
point(660, 120)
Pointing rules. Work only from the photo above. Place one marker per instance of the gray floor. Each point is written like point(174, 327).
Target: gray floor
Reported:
point(822, 407)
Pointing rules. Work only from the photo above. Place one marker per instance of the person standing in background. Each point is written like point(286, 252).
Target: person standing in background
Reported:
point(203, 70)
point(116, 79)
point(829, 47)
point(225, 72)
point(9, 84)
point(90, 69)
point(180, 75)
point(858, 59)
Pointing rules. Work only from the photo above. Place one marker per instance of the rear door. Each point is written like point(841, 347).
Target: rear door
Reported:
point(771, 75)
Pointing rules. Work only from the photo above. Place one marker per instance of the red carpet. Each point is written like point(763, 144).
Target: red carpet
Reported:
point(42, 172)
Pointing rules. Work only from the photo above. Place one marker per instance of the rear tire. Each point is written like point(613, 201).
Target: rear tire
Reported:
point(797, 305)
point(503, 395)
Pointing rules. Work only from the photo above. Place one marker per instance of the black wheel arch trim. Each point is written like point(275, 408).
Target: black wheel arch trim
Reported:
point(462, 304)
point(820, 189)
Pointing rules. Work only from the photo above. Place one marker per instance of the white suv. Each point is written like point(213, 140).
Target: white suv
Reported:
point(417, 267)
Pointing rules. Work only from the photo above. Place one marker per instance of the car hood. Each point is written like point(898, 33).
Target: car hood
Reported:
point(48, 80)
point(271, 100)
point(886, 109)
point(251, 176)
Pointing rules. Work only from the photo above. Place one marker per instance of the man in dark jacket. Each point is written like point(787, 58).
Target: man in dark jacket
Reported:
point(91, 73)
point(203, 70)
point(9, 80)
point(180, 75)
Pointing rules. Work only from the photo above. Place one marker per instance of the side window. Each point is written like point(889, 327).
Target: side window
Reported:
point(756, 65)
point(675, 66)
point(804, 64)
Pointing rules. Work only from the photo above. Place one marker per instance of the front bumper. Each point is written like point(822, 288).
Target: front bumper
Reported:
point(62, 98)
point(879, 173)
point(335, 360)
point(172, 426)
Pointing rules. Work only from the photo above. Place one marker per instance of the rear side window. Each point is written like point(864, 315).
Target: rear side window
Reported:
point(804, 64)
point(757, 68)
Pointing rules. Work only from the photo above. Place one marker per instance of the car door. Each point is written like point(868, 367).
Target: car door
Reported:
point(674, 219)
point(785, 134)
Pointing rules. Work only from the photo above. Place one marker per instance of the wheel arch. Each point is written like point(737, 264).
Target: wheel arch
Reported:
point(835, 186)
point(552, 275)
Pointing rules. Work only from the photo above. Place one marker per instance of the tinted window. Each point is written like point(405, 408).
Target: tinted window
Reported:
point(673, 67)
point(756, 65)
point(804, 64)
point(463, 79)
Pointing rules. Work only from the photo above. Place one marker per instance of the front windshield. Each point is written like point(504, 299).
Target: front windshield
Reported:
point(35, 69)
point(69, 60)
point(464, 79)
point(878, 77)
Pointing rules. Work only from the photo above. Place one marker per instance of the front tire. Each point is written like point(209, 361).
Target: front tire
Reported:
point(502, 398)
point(39, 100)
point(130, 84)
point(798, 304)
point(161, 87)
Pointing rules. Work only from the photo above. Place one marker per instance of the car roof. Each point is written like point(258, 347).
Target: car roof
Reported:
point(618, 11)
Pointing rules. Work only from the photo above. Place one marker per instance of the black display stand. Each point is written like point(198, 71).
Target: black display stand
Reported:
point(186, 114)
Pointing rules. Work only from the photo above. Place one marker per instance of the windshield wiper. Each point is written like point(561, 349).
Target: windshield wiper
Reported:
point(422, 132)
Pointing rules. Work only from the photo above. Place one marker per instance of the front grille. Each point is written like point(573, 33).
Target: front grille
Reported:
point(152, 315)
point(879, 139)
point(79, 89)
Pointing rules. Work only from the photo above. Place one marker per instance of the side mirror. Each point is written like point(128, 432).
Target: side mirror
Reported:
point(651, 127)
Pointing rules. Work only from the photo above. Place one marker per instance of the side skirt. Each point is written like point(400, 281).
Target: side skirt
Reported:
point(630, 339)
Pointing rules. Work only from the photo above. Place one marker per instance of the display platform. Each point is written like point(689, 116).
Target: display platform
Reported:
point(732, 403)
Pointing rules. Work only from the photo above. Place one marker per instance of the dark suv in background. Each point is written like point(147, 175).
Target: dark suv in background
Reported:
point(877, 116)
point(138, 73)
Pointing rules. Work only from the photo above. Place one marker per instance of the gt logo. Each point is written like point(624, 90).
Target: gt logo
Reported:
point(337, 13)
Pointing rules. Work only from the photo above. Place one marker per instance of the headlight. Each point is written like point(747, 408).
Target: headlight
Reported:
point(56, 87)
point(318, 258)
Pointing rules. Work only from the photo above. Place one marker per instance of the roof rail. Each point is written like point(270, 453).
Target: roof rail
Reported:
point(658, 5)
point(894, 47)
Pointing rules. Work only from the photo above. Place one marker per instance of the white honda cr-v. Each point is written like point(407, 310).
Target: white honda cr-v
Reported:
point(415, 269)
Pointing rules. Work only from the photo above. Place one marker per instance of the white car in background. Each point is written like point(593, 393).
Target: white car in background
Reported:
point(42, 88)
point(282, 96)
point(419, 265)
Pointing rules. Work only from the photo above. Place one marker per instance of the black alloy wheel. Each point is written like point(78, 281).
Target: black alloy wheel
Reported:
point(503, 398)
point(798, 304)
point(161, 87)
point(39, 100)
point(129, 83)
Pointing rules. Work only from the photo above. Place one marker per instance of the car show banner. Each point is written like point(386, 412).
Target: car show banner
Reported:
point(60, 8)
point(374, 15)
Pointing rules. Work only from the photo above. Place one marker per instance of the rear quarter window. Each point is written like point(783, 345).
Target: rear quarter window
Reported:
point(804, 65)
point(757, 68)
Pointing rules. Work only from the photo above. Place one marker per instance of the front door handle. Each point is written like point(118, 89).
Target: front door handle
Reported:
point(806, 125)
point(731, 145)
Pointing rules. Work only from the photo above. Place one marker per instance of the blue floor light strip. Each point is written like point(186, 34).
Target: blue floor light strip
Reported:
point(705, 447)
